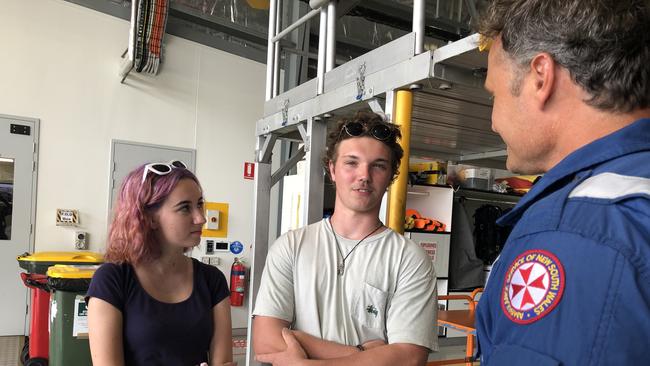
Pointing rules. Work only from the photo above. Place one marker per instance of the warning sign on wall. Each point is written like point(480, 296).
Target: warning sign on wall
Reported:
point(430, 248)
point(67, 217)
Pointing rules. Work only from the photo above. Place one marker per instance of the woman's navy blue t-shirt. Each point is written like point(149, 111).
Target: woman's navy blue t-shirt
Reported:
point(158, 333)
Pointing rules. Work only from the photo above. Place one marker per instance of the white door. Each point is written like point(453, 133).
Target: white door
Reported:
point(128, 155)
point(18, 149)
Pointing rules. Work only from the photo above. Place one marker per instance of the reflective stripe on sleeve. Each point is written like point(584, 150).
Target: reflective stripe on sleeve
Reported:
point(611, 186)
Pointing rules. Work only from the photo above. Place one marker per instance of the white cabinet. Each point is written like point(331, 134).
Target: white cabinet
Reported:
point(433, 202)
point(436, 202)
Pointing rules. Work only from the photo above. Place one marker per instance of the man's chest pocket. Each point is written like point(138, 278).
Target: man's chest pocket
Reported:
point(369, 308)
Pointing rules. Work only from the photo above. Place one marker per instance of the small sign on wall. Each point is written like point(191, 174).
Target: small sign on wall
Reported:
point(236, 247)
point(430, 248)
point(249, 170)
point(65, 217)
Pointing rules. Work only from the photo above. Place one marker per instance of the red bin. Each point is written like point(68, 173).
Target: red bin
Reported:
point(39, 337)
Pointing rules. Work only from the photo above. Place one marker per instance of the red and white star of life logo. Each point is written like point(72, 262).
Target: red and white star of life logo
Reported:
point(533, 286)
point(528, 286)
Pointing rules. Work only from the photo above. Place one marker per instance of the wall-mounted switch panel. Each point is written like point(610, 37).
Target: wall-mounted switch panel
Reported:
point(221, 246)
point(81, 240)
point(209, 246)
point(213, 219)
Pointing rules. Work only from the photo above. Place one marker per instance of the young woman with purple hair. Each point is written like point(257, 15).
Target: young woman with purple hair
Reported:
point(150, 304)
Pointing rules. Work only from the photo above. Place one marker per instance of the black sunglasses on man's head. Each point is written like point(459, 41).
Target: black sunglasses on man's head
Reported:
point(380, 132)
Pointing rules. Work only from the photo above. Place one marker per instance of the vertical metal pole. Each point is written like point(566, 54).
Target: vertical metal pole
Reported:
point(292, 62)
point(270, 52)
point(276, 51)
point(397, 192)
point(304, 58)
point(418, 25)
point(314, 179)
point(262, 204)
point(322, 46)
point(331, 36)
point(389, 105)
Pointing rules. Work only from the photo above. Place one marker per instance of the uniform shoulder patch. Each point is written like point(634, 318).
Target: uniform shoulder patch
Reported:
point(533, 286)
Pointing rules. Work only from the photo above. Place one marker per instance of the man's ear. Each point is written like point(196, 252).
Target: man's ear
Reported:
point(330, 167)
point(543, 76)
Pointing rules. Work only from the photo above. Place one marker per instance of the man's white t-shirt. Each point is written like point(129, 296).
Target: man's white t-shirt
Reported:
point(387, 291)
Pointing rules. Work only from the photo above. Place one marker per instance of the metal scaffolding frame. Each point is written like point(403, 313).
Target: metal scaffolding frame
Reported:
point(371, 80)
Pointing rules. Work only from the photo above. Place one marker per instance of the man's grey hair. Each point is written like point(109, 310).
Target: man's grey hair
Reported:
point(604, 44)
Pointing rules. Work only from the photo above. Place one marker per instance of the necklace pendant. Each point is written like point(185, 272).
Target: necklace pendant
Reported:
point(340, 268)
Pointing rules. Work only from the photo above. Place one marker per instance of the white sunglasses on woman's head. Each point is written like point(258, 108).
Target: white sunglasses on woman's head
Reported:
point(162, 168)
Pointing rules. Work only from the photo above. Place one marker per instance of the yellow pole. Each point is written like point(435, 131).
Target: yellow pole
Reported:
point(397, 192)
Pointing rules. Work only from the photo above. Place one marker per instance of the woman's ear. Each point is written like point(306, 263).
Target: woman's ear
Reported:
point(153, 221)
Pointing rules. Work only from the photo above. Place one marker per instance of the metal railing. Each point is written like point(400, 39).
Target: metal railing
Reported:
point(326, 40)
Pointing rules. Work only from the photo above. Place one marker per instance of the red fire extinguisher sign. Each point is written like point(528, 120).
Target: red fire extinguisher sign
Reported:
point(249, 170)
point(237, 283)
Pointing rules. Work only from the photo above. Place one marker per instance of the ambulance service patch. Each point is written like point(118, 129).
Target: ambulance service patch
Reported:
point(533, 286)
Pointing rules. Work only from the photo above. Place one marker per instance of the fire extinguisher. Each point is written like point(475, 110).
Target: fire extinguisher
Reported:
point(237, 283)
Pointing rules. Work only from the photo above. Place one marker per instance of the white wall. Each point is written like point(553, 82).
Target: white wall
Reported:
point(59, 63)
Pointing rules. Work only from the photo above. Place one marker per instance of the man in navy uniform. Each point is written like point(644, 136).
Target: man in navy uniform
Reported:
point(571, 87)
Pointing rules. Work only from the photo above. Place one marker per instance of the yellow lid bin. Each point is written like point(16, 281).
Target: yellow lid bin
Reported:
point(71, 272)
point(69, 313)
point(39, 262)
point(72, 278)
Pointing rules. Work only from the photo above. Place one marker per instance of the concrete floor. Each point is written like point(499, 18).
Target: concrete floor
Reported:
point(10, 347)
point(450, 349)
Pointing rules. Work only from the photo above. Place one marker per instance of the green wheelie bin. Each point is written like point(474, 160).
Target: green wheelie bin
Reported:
point(68, 314)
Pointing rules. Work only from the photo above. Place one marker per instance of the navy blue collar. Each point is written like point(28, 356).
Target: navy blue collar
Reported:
point(629, 139)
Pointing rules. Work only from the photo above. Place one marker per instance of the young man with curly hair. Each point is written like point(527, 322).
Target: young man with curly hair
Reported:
point(353, 291)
